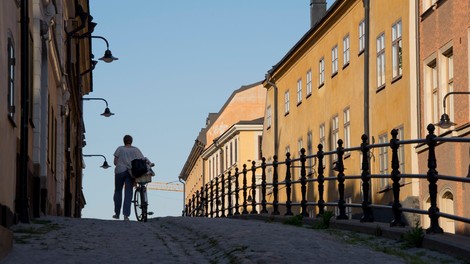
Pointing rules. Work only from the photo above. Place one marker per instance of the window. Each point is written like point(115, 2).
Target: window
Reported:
point(347, 128)
point(286, 102)
point(383, 160)
point(309, 82)
point(300, 145)
point(260, 147)
point(217, 172)
point(231, 153)
point(434, 91)
point(210, 169)
point(235, 154)
point(287, 150)
point(362, 36)
point(449, 75)
point(321, 78)
point(334, 60)
point(401, 150)
point(334, 134)
point(227, 157)
point(299, 91)
point(322, 135)
point(310, 152)
point(11, 80)
point(396, 50)
point(268, 117)
point(381, 60)
point(346, 50)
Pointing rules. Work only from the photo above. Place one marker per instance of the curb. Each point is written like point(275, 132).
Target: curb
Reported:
point(451, 244)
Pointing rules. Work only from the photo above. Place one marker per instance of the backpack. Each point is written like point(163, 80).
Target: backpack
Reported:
point(138, 168)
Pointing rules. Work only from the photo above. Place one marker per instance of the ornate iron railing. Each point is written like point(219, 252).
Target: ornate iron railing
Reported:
point(210, 201)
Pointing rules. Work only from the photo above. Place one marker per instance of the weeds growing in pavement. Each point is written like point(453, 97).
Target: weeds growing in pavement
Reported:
point(414, 237)
point(325, 221)
point(378, 231)
point(294, 220)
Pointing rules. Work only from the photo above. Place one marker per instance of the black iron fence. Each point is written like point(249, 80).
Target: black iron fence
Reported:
point(233, 194)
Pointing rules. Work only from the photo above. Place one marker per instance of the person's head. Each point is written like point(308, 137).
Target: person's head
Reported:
point(127, 140)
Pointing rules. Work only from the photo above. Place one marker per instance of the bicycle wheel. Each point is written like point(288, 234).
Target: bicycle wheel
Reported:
point(138, 204)
point(143, 196)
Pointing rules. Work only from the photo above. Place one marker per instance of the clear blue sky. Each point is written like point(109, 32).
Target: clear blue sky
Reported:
point(178, 61)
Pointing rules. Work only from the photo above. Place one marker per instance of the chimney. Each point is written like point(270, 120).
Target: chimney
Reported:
point(317, 11)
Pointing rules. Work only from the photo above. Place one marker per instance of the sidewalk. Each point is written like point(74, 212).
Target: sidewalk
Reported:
point(193, 240)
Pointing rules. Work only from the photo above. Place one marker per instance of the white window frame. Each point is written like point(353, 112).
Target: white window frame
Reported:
point(322, 138)
point(448, 71)
point(321, 77)
point(308, 87)
point(286, 102)
point(397, 66)
point(310, 151)
point(401, 149)
point(381, 60)
point(334, 60)
point(299, 91)
point(362, 36)
point(383, 160)
point(268, 117)
point(334, 134)
point(347, 127)
point(346, 50)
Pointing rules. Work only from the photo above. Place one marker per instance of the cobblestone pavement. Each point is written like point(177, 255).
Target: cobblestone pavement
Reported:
point(199, 240)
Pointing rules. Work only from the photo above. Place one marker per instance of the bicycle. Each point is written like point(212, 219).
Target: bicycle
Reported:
point(140, 195)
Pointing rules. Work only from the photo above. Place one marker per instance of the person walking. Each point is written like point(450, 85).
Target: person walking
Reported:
point(122, 160)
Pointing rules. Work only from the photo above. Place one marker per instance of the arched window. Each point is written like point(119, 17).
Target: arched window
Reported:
point(447, 206)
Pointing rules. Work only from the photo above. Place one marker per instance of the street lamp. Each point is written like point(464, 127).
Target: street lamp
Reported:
point(107, 112)
point(445, 121)
point(108, 56)
point(105, 163)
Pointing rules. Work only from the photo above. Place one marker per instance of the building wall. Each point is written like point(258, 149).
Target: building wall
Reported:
point(9, 28)
point(444, 34)
point(52, 182)
point(390, 105)
point(245, 104)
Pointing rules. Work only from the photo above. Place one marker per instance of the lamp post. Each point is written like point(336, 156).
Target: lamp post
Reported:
point(105, 163)
point(107, 112)
point(445, 121)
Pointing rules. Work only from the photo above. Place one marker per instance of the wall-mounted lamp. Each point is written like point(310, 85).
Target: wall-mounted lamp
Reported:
point(107, 112)
point(108, 56)
point(445, 121)
point(105, 163)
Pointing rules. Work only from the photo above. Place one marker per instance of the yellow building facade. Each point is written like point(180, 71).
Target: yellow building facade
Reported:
point(315, 94)
point(231, 138)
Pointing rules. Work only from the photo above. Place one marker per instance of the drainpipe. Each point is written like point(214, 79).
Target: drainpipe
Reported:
point(22, 207)
point(275, 121)
point(366, 77)
point(366, 67)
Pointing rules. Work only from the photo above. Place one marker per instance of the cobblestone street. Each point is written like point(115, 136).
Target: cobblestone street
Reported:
point(198, 240)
